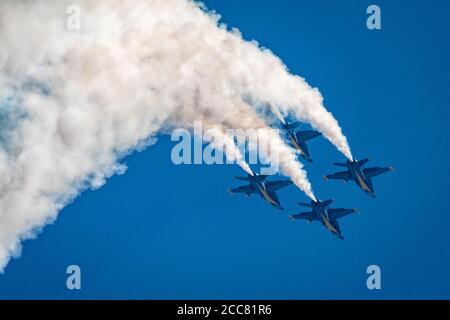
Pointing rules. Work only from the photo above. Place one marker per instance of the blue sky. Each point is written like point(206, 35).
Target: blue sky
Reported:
point(166, 231)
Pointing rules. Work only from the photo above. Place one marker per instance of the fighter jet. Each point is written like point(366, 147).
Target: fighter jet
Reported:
point(322, 212)
point(298, 138)
point(360, 175)
point(259, 185)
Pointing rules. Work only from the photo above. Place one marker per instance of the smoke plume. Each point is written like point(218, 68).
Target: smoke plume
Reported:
point(74, 101)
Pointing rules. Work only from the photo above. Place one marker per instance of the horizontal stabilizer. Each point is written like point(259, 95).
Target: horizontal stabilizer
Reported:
point(364, 161)
point(341, 164)
point(304, 204)
point(242, 178)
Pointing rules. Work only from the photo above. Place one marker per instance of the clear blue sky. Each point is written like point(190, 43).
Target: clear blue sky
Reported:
point(166, 231)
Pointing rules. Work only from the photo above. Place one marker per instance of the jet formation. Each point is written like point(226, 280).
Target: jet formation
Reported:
point(319, 210)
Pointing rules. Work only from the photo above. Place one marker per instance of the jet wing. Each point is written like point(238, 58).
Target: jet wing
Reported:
point(343, 175)
point(339, 213)
point(375, 171)
point(276, 185)
point(307, 135)
point(310, 216)
point(249, 189)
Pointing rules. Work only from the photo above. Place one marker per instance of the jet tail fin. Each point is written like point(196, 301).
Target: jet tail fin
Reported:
point(304, 204)
point(364, 161)
point(340, 164)
point(257, 177)
point(242, 178)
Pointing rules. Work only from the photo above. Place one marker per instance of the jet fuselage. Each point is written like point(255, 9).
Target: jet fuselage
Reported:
point(261, 187)
point(357, 175)
point(299, 145)
point(322, 212)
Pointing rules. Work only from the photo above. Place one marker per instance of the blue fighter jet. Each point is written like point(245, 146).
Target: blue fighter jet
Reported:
point(298, 138)
point(320, 211)
point(360, 175)
point(259, 185)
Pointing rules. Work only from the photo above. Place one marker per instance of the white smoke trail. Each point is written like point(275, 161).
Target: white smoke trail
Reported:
point(286, 158)
point(74, 102)
point(265, 79)
point(277, 152)
point(220, 140)
point(278, 114)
